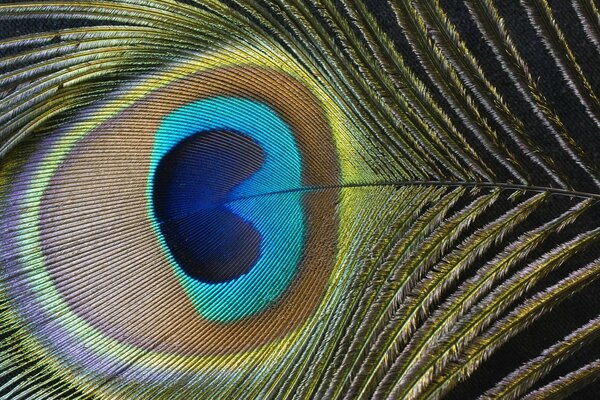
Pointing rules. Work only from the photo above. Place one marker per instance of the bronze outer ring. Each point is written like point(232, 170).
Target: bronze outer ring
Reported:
point(105, 258)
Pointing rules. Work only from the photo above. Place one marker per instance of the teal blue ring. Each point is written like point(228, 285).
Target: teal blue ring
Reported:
point(268, 200)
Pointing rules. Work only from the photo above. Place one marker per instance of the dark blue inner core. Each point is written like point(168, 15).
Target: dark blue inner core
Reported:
point(191, 187)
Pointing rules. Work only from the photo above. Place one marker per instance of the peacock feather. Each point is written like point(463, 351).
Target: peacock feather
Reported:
point(272, 199)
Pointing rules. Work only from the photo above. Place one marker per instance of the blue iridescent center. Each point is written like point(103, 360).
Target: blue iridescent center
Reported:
point(223, 198)
point(191, 191)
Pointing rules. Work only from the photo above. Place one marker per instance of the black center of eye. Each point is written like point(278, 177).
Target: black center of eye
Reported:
point(192, 185)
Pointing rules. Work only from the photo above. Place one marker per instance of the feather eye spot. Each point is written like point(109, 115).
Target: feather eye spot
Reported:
point(200, 229)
